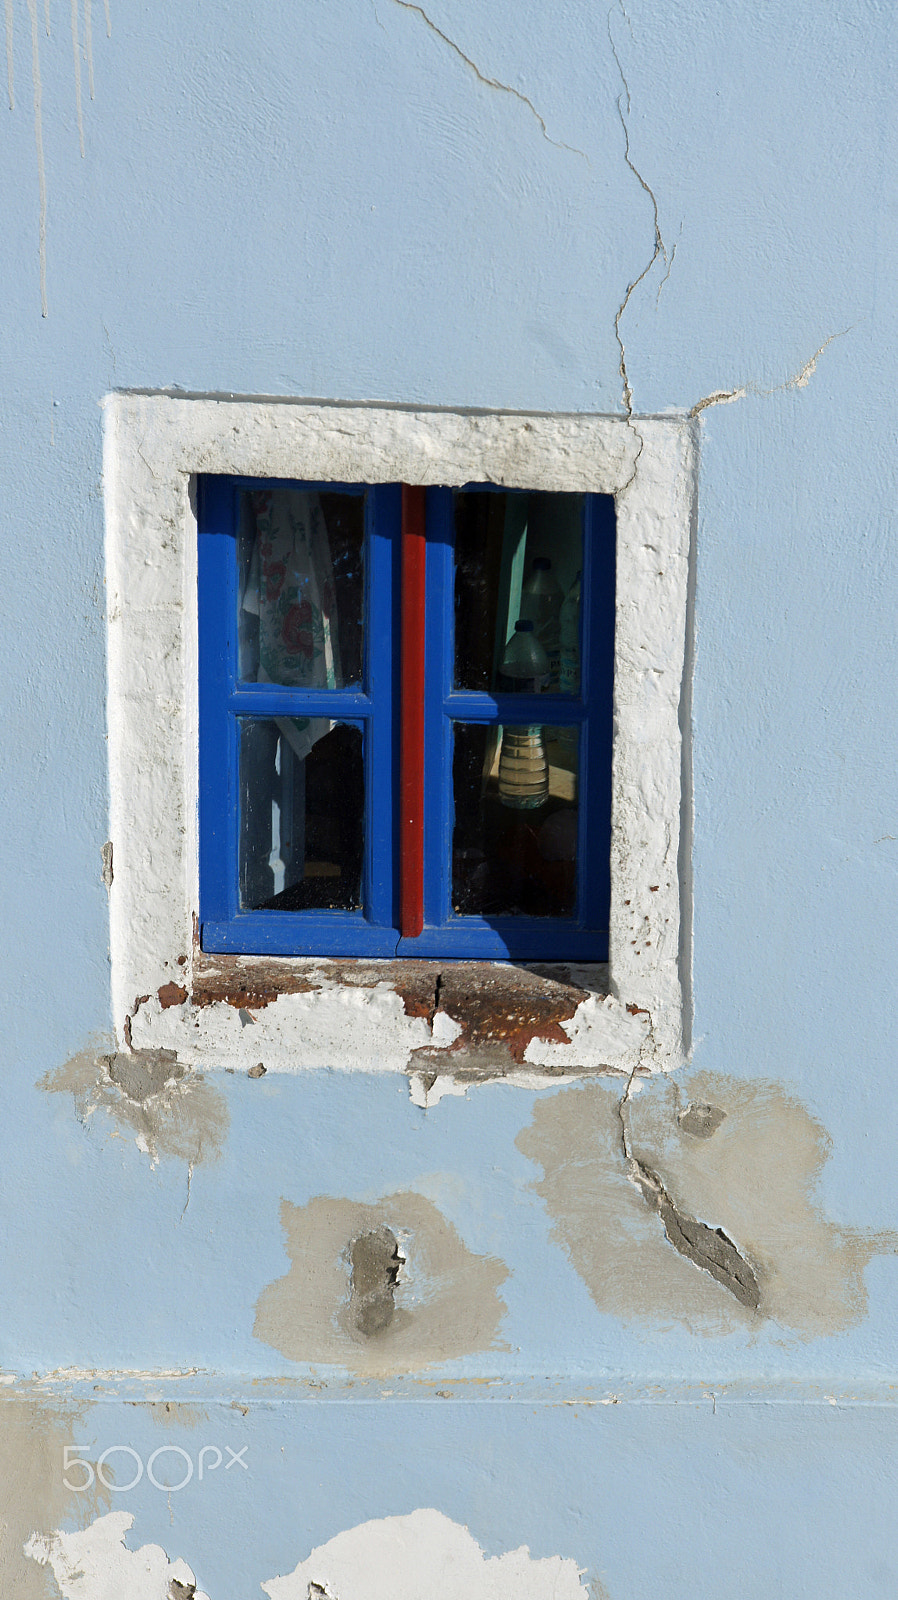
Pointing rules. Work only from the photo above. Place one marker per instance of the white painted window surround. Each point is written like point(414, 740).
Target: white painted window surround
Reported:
point(155, 444)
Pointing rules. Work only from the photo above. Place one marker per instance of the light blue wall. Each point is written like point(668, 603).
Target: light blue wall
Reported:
point(330, 201)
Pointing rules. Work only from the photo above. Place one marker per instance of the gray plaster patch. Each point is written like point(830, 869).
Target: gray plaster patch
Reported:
point(332, 1305)
point(752, 1184)
point(375, 1262)
point(33, 1435)
point(169, 1109)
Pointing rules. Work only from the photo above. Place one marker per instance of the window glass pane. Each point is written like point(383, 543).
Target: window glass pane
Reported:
point(301, 814)
point(517, 556)
point(300, 586)
point(514, 846)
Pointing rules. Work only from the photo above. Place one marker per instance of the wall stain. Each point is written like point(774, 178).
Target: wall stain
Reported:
point(750, 1178)
point(38, 100)
point(33, 1435)
point(332, 1304)
point(169, 1109)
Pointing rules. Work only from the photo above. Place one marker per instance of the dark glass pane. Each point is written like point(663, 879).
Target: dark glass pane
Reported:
point(514, 847)
point(302, 801)
point(301, 588)
point(518, 555)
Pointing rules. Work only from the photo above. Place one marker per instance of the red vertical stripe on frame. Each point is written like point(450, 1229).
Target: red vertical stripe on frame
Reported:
point(411, 764)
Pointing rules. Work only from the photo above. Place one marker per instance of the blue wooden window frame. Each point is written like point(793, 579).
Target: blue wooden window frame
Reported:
point(373, 707)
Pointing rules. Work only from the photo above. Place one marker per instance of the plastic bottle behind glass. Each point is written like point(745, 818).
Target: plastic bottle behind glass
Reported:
point(541, 599)
point(523, 769)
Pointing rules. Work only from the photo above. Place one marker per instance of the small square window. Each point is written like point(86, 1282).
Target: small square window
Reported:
point(405, 720)
point(363, 779)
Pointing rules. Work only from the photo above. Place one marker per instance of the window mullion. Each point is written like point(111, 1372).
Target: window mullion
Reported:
point(383, 516)
point(411, 760)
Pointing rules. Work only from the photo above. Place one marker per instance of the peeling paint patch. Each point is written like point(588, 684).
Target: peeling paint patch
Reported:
point(424, 1556)
point(33, 1495)
point(169, 1110)
point(95, 1563)
point(379, 1288)
point(313, 1020)
point(604, 1032)
point(747, 1185)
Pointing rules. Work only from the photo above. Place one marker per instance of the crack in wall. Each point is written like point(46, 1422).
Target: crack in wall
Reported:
point(491, 83)
point(710, 1249)
point(140, 1000)
point(437, 990)
point(659, 249)
point(798, 380)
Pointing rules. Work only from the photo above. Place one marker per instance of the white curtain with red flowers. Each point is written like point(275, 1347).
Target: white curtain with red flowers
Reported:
point(290, 588)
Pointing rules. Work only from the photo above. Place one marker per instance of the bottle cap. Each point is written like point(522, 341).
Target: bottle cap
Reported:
point(523, 625)
point(541, 564)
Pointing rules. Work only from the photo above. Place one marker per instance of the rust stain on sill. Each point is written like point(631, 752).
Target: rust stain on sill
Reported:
point(252, 982)
point(171, 994)
point(494, 1004)
point(506, 1006)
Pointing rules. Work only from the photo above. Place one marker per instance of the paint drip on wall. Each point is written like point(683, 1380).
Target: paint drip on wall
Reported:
point(82, 48)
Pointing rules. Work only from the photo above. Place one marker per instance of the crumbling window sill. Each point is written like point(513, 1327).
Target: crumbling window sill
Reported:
point(467, 1021)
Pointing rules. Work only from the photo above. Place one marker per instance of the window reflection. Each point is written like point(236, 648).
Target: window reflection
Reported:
point(518, 556)
point(301, 815)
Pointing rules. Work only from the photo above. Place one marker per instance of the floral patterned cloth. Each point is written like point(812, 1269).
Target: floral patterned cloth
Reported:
point(290, 588)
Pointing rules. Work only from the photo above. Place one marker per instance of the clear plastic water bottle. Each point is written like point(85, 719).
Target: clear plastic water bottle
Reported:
point(541, 601)
point(523, 769)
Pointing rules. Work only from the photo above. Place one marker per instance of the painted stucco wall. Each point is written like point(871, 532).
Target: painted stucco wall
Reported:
point(680, 208)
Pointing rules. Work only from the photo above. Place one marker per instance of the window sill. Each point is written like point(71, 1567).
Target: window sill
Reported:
point(468, 1021)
